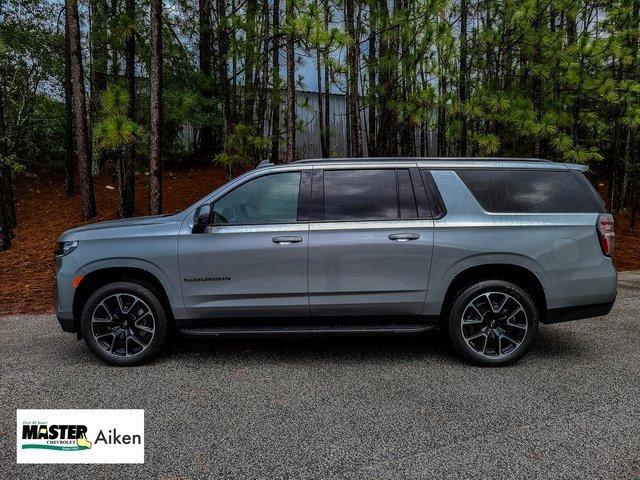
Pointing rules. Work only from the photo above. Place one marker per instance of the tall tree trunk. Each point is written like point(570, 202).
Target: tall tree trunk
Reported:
point(82, 144)
point(634, 210)
point(206, 66)
point(347, 108)
point(388, 142)
point(6, 174)
point(319, 96)
point(155, 132)
point(249, 61)
point(98, 53)
point(69, 152)
point(489, 62)
point(462, 150)
point(234, 65)
point(572, 28)
point(115, 61)
point(324, 153)
point(9, 200)
point(291, 86)
point(5, 224)
point(407, 129)
point(628, 163)
point(372, 65)
point(536, 85)
point(424, 124)
point(327, 88)
point(127, 170)
point(275, 88)
point(263, 81)
point(354, 103)
point(634, 186)
point(223, 34)
point(441, 139)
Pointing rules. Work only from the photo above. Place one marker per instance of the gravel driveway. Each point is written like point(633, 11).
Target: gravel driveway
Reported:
point(347, 408)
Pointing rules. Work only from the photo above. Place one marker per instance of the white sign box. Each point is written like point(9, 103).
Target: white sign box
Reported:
point(80, 436)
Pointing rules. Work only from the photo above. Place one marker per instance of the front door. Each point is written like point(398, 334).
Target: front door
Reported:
point(252, 260)
point(370, 245)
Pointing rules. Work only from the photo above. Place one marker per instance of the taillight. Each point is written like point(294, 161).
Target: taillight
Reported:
point(606, 235)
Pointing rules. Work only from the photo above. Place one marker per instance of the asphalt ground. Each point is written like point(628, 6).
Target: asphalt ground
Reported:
point(376, 407)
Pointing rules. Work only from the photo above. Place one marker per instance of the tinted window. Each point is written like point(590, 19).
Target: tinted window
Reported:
point(360, 195)
point(268, 199)
point(406, 197)
point(591, 191)
point(527, 191)
point(438, 209)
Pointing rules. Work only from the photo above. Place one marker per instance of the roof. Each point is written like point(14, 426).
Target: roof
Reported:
point(422, 159)
point(446, 162)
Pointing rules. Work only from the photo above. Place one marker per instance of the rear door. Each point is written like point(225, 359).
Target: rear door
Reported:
point(252, 259)
point(370, 242)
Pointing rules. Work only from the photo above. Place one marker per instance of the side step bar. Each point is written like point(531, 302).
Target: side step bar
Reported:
point(306, 330)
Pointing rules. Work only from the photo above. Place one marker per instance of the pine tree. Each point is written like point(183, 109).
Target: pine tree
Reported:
point(82, 143)
point(155, 132)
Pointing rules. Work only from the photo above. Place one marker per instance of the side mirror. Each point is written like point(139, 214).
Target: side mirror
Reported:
point(202, 218)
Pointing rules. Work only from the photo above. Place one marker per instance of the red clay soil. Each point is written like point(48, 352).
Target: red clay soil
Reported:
point(627, 251)
point(27, 269)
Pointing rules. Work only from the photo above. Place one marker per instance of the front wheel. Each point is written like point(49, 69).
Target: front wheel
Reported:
point(124, 323)
point(492, 323)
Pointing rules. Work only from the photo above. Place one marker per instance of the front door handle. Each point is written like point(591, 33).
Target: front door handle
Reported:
point(287, 240)
point(404, 237)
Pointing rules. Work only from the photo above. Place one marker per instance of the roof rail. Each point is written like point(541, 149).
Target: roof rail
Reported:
point(264, 163)
point(428, 159)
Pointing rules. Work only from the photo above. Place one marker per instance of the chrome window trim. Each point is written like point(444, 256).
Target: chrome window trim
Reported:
point(258, 228)
point(370, 224)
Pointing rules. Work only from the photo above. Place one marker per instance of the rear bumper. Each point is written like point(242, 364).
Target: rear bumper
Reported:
point(68, 324)
point(557, 315)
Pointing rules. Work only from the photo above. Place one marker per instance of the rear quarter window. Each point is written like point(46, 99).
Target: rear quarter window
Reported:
point(528, 191)
point(595, 197)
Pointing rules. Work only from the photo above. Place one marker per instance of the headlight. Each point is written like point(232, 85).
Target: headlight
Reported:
point(64, 248)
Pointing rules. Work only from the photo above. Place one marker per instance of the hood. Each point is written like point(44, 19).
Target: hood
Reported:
point(78, 232)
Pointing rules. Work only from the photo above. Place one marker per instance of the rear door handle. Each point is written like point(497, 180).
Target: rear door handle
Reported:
point(286, 240)
point(404, 237)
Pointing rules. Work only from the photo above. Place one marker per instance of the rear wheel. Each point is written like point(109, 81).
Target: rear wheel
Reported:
point(492, 323)
point(124, 323)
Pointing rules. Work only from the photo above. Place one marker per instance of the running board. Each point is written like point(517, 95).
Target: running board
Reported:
point(306, 330)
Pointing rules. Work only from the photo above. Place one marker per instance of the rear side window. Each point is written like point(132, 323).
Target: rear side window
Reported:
point(360, 195)
point(527, 191)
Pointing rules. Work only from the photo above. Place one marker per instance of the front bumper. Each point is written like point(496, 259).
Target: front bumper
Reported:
point(68, 324)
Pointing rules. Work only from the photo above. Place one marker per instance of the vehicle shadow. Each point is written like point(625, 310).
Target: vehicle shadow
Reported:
point(557, 341)
point(326, 347)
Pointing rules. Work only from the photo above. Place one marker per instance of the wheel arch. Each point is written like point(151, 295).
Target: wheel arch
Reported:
point(98, 278)
point(516, 274)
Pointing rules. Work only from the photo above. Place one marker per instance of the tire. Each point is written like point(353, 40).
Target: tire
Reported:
point(137, 329)
point(487, 332)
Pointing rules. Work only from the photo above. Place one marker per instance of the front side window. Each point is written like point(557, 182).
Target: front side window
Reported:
point(360, 195)
point(264, 200)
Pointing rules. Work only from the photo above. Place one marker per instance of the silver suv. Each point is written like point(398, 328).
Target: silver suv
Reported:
point(484, 249)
